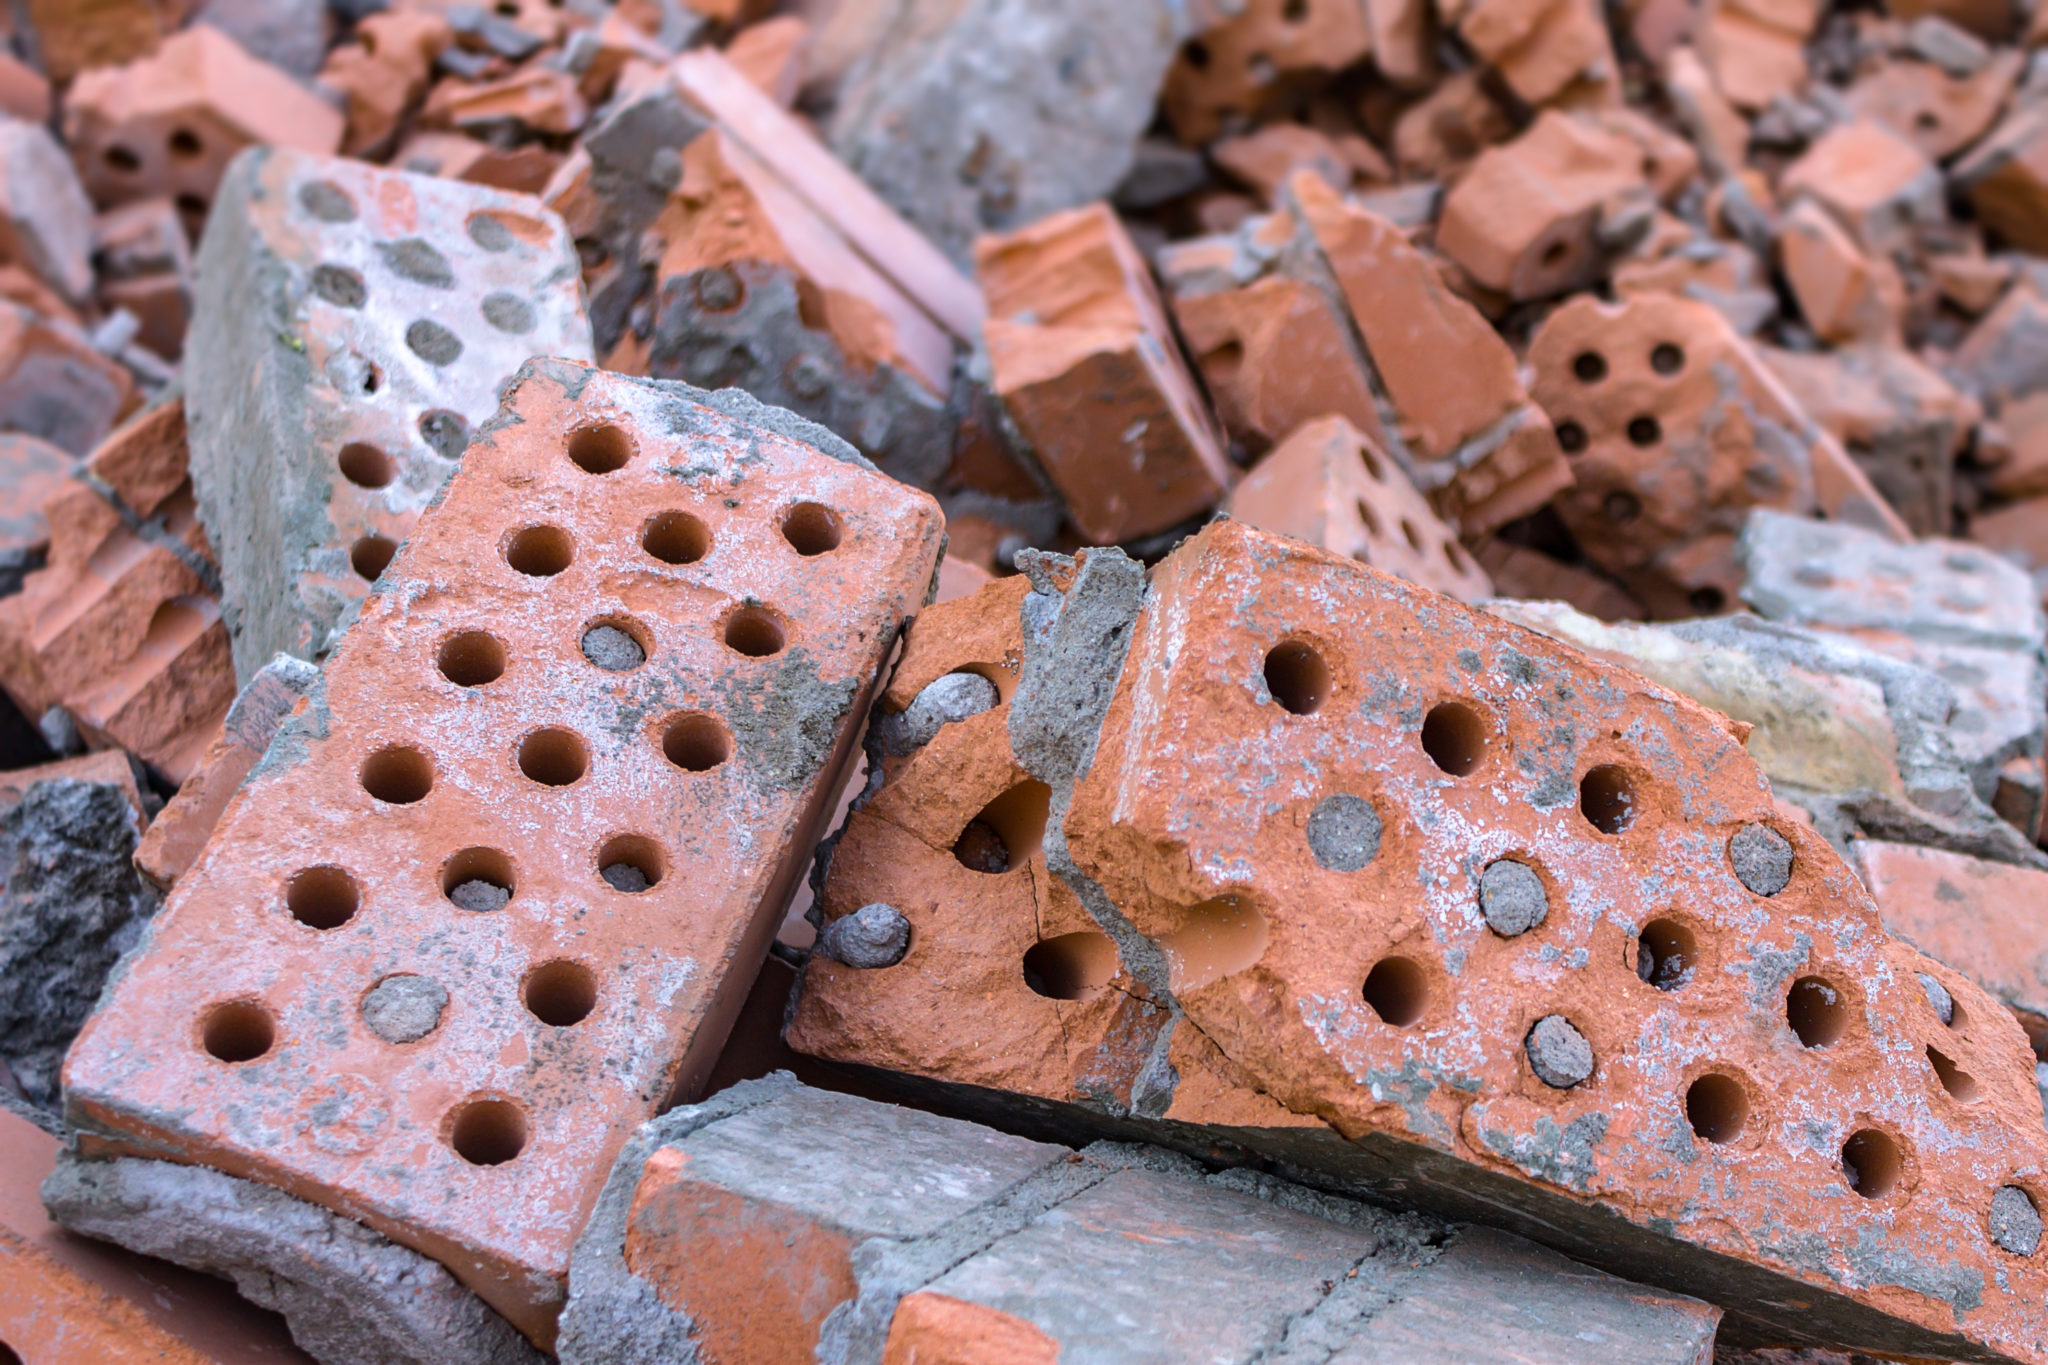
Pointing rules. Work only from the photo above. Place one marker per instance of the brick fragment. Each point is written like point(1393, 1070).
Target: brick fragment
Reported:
point(909, 1238)
point(1236, 71)
point(74, 36)
point(1755, 47)
point(1441, 132)
point(383, 75)
point(453, 156)
point(145, 266)
point(762, 579)
point(31, 471)
point(54, 384)
point(1265, 160)
point(168, 124)
point(1656, 383)
point(1330, 486)
point(1877, 185)
point(2005, 356)
point(1719, 133)
point(1991, 20)
point(45, 220)
point(537, 101)
point(1845, 295)
point(1520, 572)
point(2006, 178)
point(353, 328)
point(121, 628)
point(1087, 368)
point(772, 55)
point(1938, 112)
point(1546, 51)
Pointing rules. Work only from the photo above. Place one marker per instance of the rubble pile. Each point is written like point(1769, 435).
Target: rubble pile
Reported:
point(985, 682)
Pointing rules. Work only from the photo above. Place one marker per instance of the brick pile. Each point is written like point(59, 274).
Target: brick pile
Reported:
point(1443, 601)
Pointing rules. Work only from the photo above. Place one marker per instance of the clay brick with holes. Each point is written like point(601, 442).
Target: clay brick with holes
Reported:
point(121, 627)
point(780, 1224)
point(353, 327)
point(1940, 113)
point(1546, 51)
point(1267, 52)
point(1330, 486)
point(1656, 384)
point(168, 124)
point(1088, 370)
point(66, 1299)
point(496, 897)
point(1567, 964)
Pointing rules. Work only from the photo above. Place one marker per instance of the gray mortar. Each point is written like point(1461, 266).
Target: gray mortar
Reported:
point(1558, 1053)
point(954, 697)
point(1762, 859)
point(480, 896)
point(2015, 1222)
point(612, 649)
point(624, 877)
point(871, 937)
point(73, 905)
point(404, 1009)
point(349, 1295)
point(744, 408)
point(1937, 995)
point(1512, 898)
point(1075, 645)
point(1344, 832)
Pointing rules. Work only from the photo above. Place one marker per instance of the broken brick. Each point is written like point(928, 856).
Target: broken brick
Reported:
point(2006, 178)
point(1441, 132)
point(771, 54)
point(54, 384)
point(680, 628)
point(536, 102)
point(1877, 185)
point(45, 220)
point(1845, 295)
point(1545, 51)
point(1754, 48)
point(31, 472)
point(1265, 160)
point(383, 75)
point(145, 266)
point(392, 308)
point(74, 36)
point(1231, 74)
point(1939, 113)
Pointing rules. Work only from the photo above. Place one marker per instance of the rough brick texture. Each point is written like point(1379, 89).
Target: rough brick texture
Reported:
point(496, 893)
point(353, 326)
point(1680, 1021)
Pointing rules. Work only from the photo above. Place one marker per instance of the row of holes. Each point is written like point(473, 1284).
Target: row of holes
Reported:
point(1643, 430)
point(1454, 553)
point(400, 775)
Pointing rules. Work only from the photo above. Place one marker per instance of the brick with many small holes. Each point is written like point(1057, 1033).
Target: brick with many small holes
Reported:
point(496, 893)
point(352, 326)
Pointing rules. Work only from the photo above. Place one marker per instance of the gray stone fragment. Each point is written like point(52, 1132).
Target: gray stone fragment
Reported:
point(1960, 53)
point(1344, 832)
point(1160, 170)
point(624, 877)
point(985, 115)
point(1558, 1053)
point(60, 732)
point(46, 222)
point(1762, 859)
point(1937, 995)
point(404, 1009)
point(612, 649)
point(1512, 898)
point(289, 34)
point(873, 936)
point(2015, 1222)
point(480, 896)
point(72, 904)
point(349, 1296)
point(954, 697)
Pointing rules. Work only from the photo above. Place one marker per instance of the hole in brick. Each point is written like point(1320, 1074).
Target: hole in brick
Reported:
point(540, 551)
point(630, 863)
point(191, 206)
point(553, 757)
point(1372, 465)
point(1571, 437)
point(1197, 55)
point(321, 897)
point(471, 659)
point(560, 994)
point(1555, 253)
point(373, 378)
point(433, 343)
point(696, 742)
point(239, 1031)
point(1216, 939)
point(327, 201)
point(1294, 11)
point(479, 880)
point(1816, 1011)
point(509, 313)
point(1927, 121)
point(1666, 954)
point(616, 644)
point(1717, 1107)
point(1607, 798)
point(600, 449)
point(397, 774)
point(1590, 367)
point(1645, 431)
point(184, 144)
point(811, 528)
point(1297, 677)
point(676, 538)
point(756, 632)
point(1454, 737)
point(340, 286)
point(1414, 537)
point(1666, 358)
point(445, 432)
point(365, 466)
point(1708, 600)
point(8, 1355)
point(1872, 1163)
point(1953, 1078)
point(1370, 518)
point(1398, 991)
point(1454, 555)
point(488, 1132)
point(370, 556)
point(122, 159)
point(1622, 506)
point(1008, 832)
point(496, 230)
point(1070, 966)
point(718, 290)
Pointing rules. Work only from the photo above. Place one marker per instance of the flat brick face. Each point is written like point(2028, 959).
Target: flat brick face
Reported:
point(614, 674)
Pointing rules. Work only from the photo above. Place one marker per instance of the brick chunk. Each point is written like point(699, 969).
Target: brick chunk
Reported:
point(475, 779)
point(1330, 486)
point(76, 35)
point(353, 327)
point(1845, 295)
point(1086, 364)
point(1655, 383)
point(2006, 178)
point(1875, 183)
point(145, 266)
point(53, 384)
point(848, 1229)
point(168, 125)
point(45, 220)
point(31, 472)
point(1755, 47)
point(1265, 54)
point(1545, 50)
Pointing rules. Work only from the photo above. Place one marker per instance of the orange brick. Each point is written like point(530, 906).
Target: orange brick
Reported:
point(2006, 177)
point(168, 125)
point(24, 93)
point(383, 75)
point(390, 829)
point(31, 471)
point(539, 101)
point(1520, 572)
point(1266, 160)
point(1845, 295)
point(1331, 487)
point(1938, 113)
point(1755, 48)
point(74, 36)
point(1545, 50)
point(1657, 383)
point(1230, 75)
point(1441, 132)
point(1875, 183)
point(452, 156)
point(2003, 358)
point(1992, 20)
point(1087, 367)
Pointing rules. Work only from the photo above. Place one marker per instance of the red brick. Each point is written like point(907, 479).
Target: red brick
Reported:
point(567, 514)
point(1232, 73)
point(383, 75)
point(1877, 185)
point(31, 471)
point(539, 101)
point(1520, 572)
point(24, 92)
point(1938, 113)
point(1844, 294)
point(53, 384)
point(1546, 51)
point(1266, 160)
point(1441, 132)
point(453, 156)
